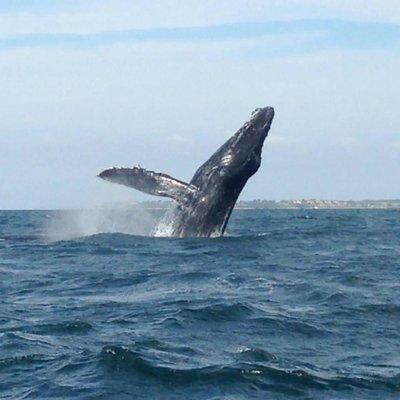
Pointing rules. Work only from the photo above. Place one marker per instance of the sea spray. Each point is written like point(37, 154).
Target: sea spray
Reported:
point(164, 227)
point(70, 224)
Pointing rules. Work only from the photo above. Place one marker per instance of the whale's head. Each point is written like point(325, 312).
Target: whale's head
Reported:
point(260, 120)
point(240, 157)
point(226, 172)
point(244, 148)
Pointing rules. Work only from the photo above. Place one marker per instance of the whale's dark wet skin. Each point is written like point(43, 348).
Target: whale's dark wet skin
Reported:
point(205, 204)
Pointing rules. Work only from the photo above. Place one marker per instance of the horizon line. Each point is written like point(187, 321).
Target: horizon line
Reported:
point(114, 205)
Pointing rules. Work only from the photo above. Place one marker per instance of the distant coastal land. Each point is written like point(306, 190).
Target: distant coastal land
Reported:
point(320, 204)
point(284, 204)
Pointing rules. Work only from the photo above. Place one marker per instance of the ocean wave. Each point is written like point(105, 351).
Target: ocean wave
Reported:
point(17, 340)
point(289, 326)
point(254, 354)
point(25, 359)
point(217, 312)
point(388, 309)
point(63, 328)
point(22, 238)
point(106, 251)
point(122, 359)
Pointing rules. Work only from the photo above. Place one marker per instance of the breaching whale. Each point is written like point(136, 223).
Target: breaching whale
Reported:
point(205, 204)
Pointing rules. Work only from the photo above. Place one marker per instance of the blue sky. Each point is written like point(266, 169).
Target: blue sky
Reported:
point(91, 84)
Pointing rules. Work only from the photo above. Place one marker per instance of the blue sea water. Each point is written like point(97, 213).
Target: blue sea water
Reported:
point(290, 304)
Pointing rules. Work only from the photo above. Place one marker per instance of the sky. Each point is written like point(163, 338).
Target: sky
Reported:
point(85, 85)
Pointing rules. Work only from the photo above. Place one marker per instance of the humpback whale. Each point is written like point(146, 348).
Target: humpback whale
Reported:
point(205, 204)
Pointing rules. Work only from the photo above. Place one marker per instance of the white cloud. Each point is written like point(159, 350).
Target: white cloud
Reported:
point(103, 15)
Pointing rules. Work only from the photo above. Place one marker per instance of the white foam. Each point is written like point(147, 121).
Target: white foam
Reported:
point(165, 226)
point(67, 225)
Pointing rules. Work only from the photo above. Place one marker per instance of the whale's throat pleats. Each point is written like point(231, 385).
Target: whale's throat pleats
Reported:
point(151, 182)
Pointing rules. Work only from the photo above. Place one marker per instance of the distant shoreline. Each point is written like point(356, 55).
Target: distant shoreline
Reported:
point(316, 204)
point(310, 204)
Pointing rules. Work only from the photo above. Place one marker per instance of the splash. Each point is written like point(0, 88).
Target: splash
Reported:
point(67, 225)
point(165, 225)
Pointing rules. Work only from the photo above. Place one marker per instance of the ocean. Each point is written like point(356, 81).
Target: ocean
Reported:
point(301, 304)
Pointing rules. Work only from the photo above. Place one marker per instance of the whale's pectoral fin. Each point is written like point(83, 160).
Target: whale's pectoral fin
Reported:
point(150, 182)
